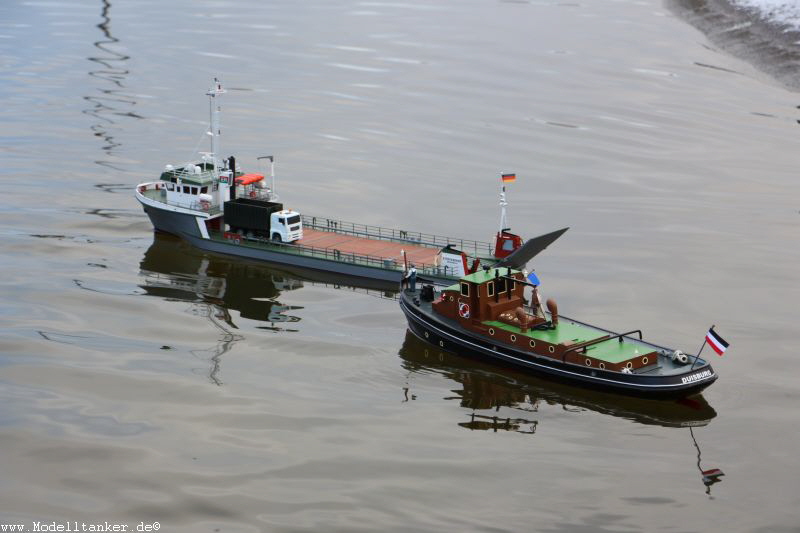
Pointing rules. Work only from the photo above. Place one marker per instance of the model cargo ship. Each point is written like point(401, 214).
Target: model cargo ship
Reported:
point(214, 206)
point(485, 315)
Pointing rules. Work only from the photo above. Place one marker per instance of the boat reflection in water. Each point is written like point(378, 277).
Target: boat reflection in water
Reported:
point(487, 387)
point(174, 270)
point(218, 288)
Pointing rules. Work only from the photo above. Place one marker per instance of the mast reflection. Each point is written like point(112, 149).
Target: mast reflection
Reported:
point(109, 67)
point(224, 290)
point(214, 287)
point(485, 389)
point(709, 476)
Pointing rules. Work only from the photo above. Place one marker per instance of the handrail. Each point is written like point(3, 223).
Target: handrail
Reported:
point(584, 345)
point(183, 173)
point(391, 234)
point(337, 255)
point(212, 208)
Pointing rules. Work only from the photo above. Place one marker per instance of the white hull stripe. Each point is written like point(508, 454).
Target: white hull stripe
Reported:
point(201, 225)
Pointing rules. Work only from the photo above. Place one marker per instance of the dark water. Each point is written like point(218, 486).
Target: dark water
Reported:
point(144, 381)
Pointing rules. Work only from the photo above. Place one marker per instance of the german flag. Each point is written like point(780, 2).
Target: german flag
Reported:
point(508, 178)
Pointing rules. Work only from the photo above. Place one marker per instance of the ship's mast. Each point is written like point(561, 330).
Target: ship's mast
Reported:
point(271, 169)
point(214, 131)
point(503, 216)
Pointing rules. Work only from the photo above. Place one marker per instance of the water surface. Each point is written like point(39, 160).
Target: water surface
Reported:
point(143, 380)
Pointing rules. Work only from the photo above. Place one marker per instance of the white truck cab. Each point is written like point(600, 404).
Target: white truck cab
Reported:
point(286, 225)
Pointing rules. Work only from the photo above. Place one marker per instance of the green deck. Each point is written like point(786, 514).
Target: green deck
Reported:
point(610, 351)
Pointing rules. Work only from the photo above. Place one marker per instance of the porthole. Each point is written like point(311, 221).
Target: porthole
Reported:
point(552, 349)
point(491, 331)
point(427, 335)
point(441, 344)
point(645, 360)
point(588, 362)
point(532, 343)
point(602, 366)
point(451, 297)
point(628, 365)
point(513, 338)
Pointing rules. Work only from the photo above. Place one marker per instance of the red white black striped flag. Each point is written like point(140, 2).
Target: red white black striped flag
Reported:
point(717, 343)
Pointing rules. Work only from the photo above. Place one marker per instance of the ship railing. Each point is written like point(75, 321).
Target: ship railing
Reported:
point(197, 205)
point(247, 191)
point(477, 248)
point(157, 190)
point(628, 336)
point(206, 207)
point(437, 271)
point(183, 173)
point(334, 254)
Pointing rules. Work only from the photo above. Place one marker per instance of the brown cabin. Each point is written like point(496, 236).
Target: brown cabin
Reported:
point(491, 302)
point(482, 296)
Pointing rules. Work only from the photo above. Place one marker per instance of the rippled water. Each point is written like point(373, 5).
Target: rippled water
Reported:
point(143, 380)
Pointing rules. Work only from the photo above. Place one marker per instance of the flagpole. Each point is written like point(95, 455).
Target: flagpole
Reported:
point(696, 357)
point(503, 204)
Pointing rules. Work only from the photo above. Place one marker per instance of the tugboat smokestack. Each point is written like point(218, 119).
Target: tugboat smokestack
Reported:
point(553, 308)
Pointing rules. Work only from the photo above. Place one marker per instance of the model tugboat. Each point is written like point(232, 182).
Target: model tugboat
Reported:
point(216, 207)
point(485, 315)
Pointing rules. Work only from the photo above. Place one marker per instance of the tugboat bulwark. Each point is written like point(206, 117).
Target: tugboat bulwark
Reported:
point(485, 315)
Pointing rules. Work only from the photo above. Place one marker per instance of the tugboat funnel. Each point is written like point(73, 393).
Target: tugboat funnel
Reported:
point(553, 308)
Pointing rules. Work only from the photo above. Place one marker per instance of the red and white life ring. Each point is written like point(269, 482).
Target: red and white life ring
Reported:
point(463, 310)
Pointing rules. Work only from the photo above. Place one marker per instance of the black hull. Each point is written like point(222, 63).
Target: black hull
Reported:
point(455, 339)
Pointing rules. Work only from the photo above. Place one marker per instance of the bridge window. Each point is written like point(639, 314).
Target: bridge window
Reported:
point(464, 289)
point(490, 288)
point(501, 285)
point(203, 190)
